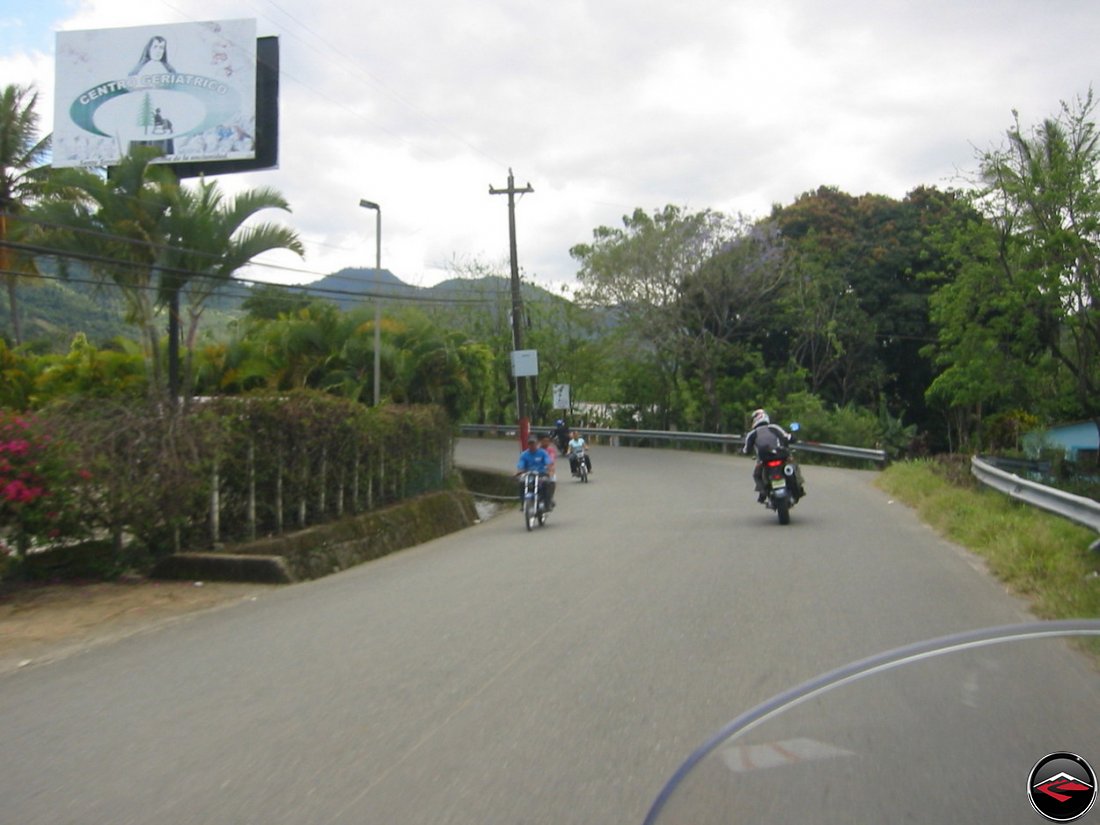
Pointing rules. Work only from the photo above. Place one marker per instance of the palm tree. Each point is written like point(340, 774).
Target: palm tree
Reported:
point(435, 366)
point(115, 226)
point(157, 240)
point(207, 242)
point(21, 151)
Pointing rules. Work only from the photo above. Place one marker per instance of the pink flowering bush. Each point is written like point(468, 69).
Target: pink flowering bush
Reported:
point(38, 486)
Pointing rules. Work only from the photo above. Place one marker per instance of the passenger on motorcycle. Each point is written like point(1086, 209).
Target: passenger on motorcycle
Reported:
point(765, 438)
point(537, 460)
point(578, 447)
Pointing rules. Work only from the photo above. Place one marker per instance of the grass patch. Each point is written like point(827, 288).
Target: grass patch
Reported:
point(1036, 554)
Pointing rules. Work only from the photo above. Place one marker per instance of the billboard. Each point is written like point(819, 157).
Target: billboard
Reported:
point(267, 121)
point(187, 89)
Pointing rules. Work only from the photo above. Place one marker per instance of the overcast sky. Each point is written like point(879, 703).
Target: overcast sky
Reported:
point(603, 106)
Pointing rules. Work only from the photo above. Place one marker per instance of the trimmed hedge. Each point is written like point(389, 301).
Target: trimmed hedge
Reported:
point(156, 480)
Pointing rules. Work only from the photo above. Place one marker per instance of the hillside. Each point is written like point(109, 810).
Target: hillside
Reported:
point(351, 286)
point(52, 311)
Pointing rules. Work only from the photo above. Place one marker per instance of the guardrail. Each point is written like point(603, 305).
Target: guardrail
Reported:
point(1082, 510)
point(878, 457)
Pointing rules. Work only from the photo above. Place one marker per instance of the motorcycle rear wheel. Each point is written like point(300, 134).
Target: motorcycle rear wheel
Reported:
point(783, 510)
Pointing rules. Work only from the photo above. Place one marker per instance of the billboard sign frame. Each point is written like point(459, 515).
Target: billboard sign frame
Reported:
point(188, 89)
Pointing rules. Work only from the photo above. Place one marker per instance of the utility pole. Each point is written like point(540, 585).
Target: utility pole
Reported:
point(517, 298)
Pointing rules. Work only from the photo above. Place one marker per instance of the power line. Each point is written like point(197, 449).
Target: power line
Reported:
point(192, 274)
point(88, 257)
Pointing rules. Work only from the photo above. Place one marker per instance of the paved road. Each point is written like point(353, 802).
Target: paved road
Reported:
point(500, 676)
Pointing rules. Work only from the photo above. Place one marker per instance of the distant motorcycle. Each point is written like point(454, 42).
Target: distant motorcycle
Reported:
point(535, 507)
point(782, 480)
point(579, 462)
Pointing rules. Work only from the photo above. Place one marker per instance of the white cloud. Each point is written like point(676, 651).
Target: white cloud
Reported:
point(608, 105)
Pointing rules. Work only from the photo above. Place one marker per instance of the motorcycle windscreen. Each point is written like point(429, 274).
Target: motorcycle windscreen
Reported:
point(972, 733)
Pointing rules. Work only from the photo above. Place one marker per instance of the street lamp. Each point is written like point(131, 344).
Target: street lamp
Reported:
point(377, 300)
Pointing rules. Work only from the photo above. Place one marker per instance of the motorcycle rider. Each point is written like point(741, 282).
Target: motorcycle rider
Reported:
point(578, 449)
point(535, 459)
point(765, 438)
point(561, 436)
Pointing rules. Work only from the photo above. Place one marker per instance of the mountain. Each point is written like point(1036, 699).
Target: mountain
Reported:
point(51, 311)
point(353, 285)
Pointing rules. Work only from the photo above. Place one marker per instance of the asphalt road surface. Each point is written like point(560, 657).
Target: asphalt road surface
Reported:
point(561, 675)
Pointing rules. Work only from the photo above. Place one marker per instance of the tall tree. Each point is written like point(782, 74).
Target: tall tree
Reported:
point(206, 242)
point(155, 240)
point(640, 270)
point(115, 224)
point(1043, 188)
point(988, 351)
point(482, 312)
point(857, 310)
point(726, 306)
point(21, 154)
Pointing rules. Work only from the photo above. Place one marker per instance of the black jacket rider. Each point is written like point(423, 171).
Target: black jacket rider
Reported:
point(765, 438)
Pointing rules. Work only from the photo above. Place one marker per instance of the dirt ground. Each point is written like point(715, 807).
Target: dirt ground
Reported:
point(45, 622)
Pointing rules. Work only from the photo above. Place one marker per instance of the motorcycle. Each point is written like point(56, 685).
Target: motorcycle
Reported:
point(782, 480)
point(535, 507)
point(990, 725)
point(579, 462)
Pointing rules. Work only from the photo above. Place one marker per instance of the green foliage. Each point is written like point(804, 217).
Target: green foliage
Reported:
point(641, 271)
point(1003, 432)
point(319, 347)
point(52, 312)
point(828, 423)
point(691, 291)
point(163, 246)
point(88, 372)
point(857, 309)
point(22, 153)
point(269, 301)
point(1044, 188)
point(207, 242)
point(115, 226)
point(902, 323)
point(152, 480)
point(573, 349)
point(16, 378)
point(725, 307)
point(1018, 321)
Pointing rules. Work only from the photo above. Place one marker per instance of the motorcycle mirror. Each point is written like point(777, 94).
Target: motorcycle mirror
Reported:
point(795, 427)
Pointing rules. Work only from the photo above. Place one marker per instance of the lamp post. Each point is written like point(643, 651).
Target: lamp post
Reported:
point(377, 300)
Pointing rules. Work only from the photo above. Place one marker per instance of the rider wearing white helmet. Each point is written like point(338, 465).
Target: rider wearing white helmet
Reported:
point(765, 437)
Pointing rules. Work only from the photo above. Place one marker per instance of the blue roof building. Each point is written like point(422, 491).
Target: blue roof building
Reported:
point(1079, 440)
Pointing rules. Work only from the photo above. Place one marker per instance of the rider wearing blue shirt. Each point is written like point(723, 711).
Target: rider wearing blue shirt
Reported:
point(533, 458)
point(536, 459)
